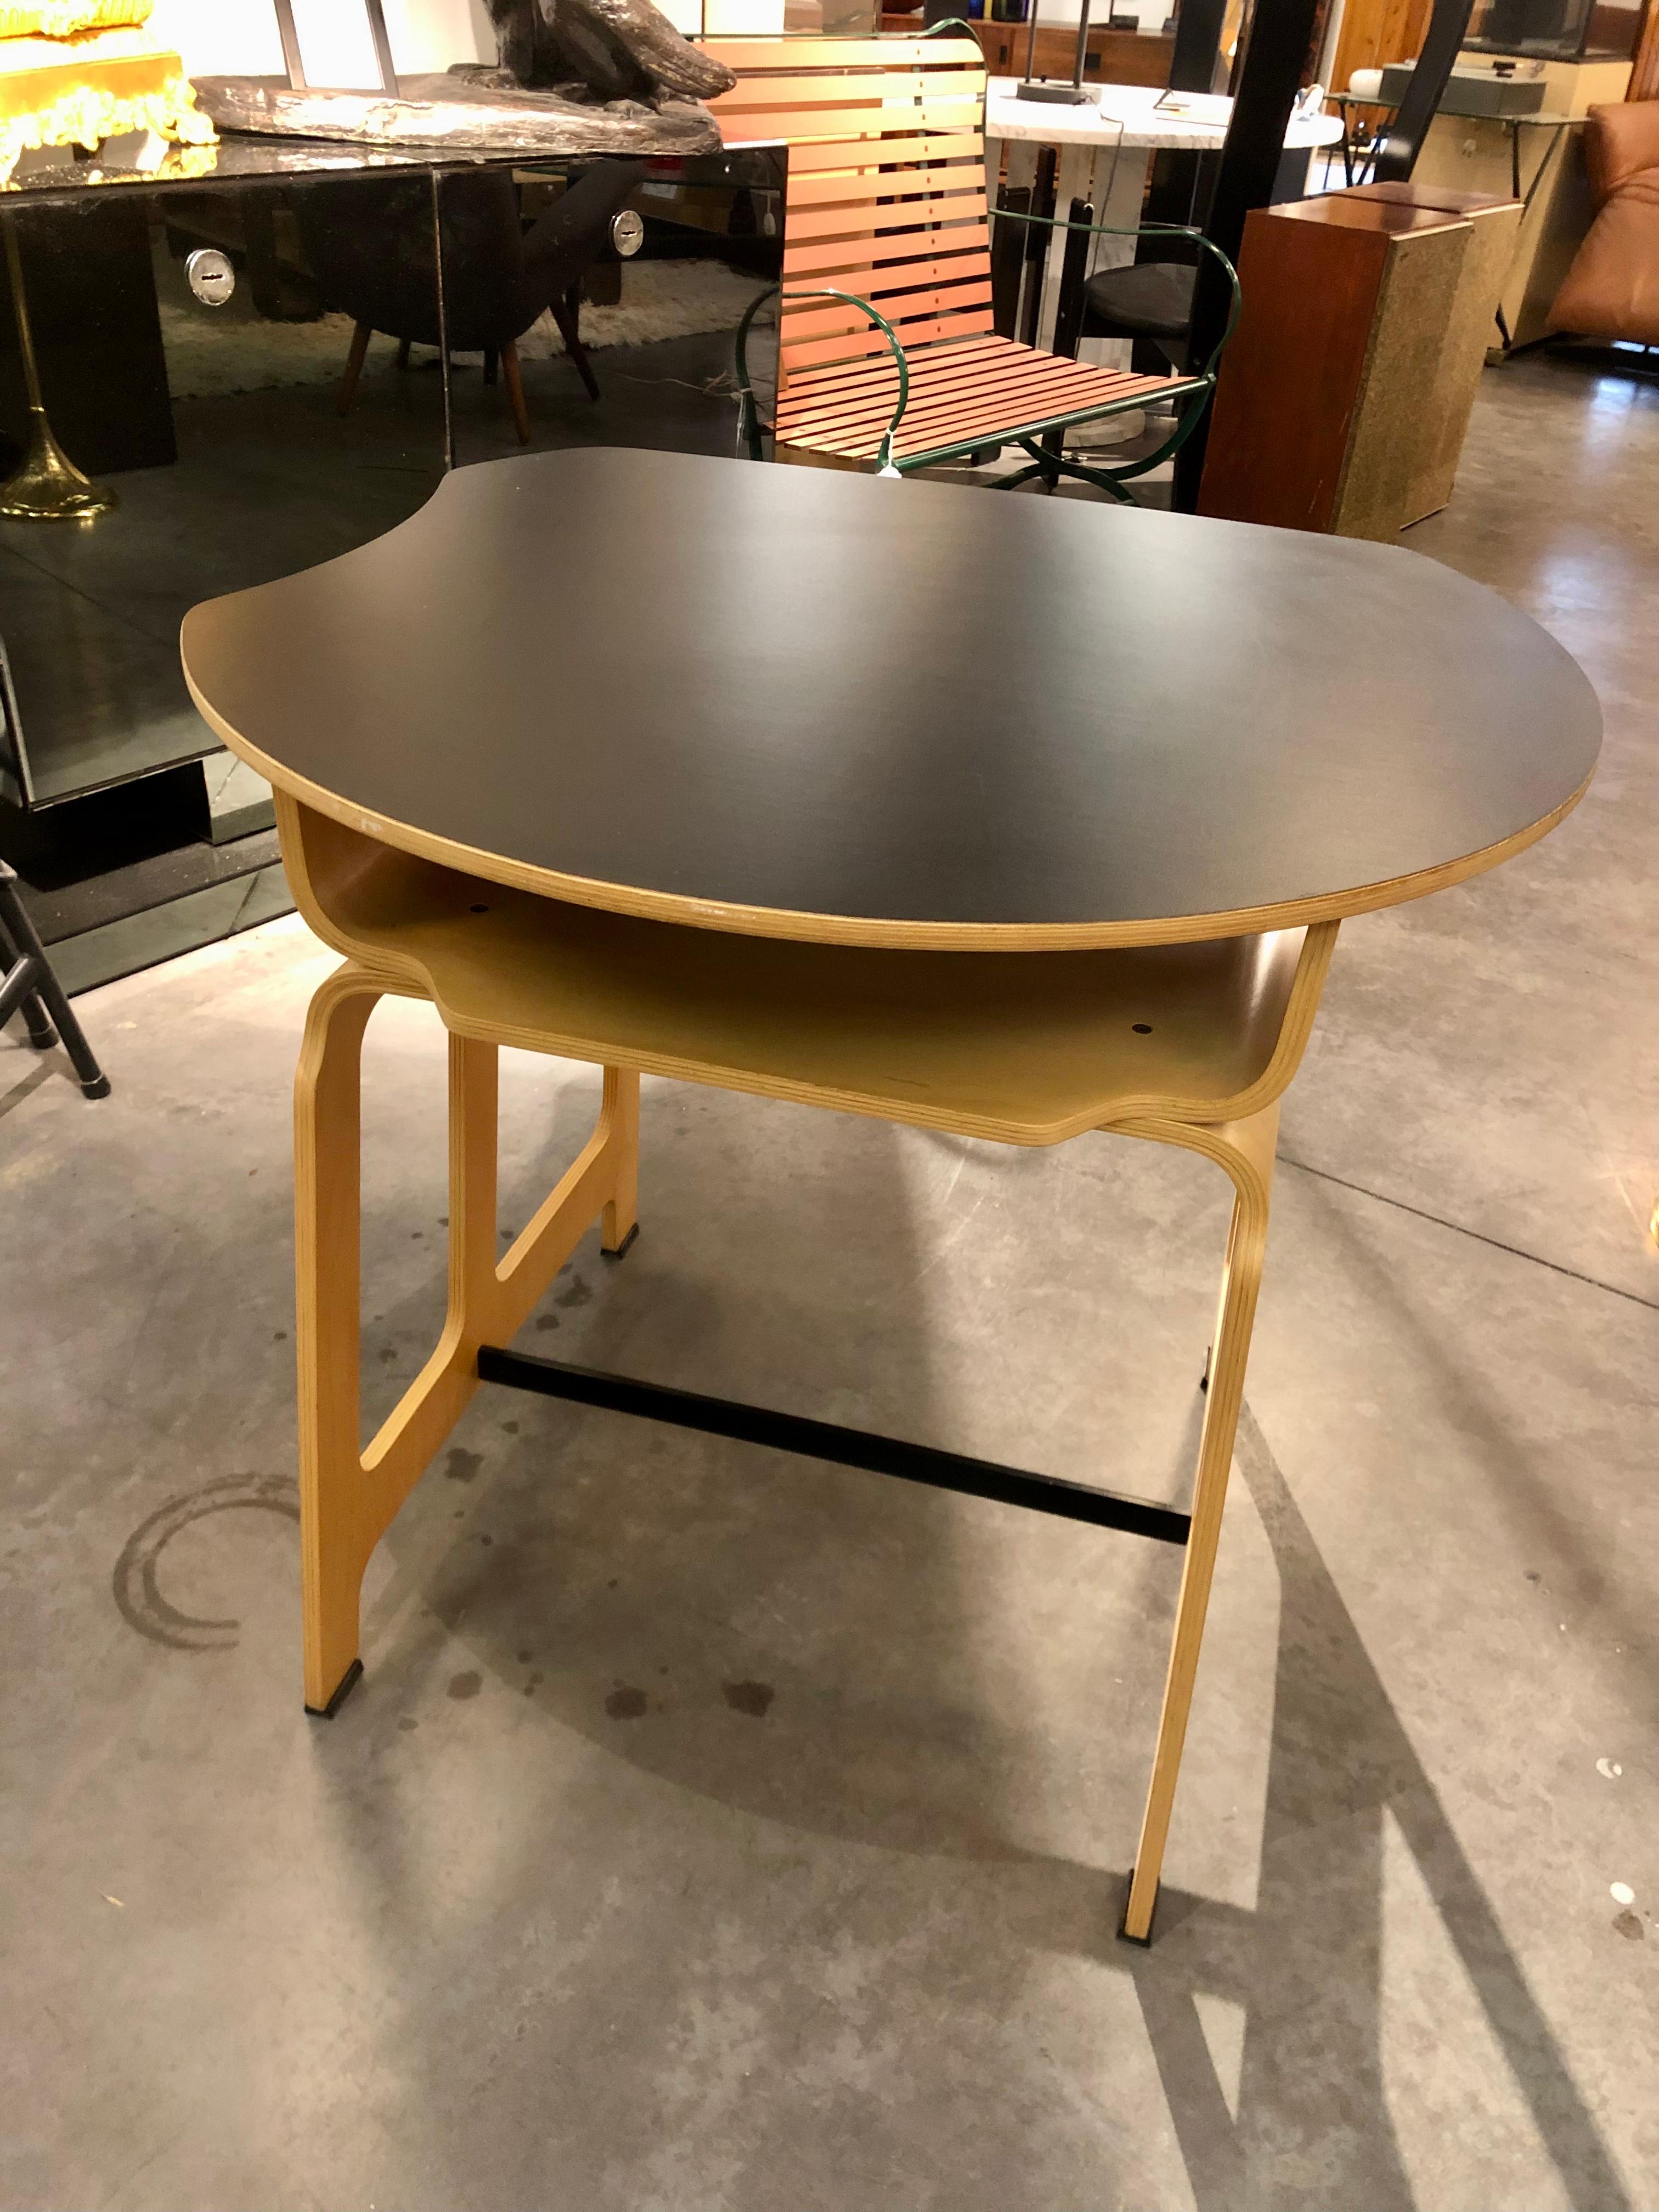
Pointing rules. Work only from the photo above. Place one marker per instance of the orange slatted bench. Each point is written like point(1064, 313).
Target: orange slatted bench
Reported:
point(887, 349)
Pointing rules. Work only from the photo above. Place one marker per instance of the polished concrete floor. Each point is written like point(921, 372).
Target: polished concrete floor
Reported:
point(713, 1829)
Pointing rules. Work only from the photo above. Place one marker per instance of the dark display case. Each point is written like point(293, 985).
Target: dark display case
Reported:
point(185, 363)
point(241, 351)
point(1556, 30)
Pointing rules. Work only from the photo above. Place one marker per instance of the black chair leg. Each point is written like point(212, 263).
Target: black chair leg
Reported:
point(31, 987)
point(565, 314)
point(42, 1035)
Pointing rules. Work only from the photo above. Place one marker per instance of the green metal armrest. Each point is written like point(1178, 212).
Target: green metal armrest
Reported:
point(1148, 230)
point(749, 422)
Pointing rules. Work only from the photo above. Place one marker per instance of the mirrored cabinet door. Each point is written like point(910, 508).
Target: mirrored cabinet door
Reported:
point(595, 302)
point(197, 358)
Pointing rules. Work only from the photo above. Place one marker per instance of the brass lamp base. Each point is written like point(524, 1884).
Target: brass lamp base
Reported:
point(48, 487)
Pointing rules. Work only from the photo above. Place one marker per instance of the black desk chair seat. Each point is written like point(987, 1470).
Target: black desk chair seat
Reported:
point(1147, 299)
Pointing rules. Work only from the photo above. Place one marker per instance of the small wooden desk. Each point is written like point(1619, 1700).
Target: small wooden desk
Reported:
point(1019, 819)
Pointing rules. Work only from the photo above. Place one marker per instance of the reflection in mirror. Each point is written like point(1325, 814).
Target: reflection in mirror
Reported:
point(219, 415)
point(558, 338)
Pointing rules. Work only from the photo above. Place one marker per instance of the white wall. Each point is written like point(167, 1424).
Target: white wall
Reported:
point(429, 34)
point(239, 36)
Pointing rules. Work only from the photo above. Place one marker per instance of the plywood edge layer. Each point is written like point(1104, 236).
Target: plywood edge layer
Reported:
point(868, 930)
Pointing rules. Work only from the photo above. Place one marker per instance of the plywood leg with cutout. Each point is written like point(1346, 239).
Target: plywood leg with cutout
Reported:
point(326, 1266)
point(348, 1497)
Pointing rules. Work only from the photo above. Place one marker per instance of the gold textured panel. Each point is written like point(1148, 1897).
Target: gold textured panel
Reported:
point(62, 19)
point(98, 85)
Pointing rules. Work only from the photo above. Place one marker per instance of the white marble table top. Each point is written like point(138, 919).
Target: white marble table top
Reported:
point(1124, 115)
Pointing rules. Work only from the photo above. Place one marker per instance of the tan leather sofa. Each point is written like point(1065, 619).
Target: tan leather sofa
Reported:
point(1612, 289)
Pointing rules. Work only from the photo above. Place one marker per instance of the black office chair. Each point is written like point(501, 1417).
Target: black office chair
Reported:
point(1152, 301)
point(28, 987)
point(370, 250)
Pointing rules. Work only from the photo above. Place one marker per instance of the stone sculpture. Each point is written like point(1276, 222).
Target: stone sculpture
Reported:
point(574, 76)
point(620, 49)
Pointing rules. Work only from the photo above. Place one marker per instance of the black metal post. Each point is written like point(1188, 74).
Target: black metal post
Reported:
point(1254, 145)
point(1197, 44)
point(1398, 155)
point(840, 1447)
point(1082, 45)
point(1174, 193)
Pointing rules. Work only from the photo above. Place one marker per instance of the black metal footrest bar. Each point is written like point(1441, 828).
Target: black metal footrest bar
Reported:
point(828, 1440)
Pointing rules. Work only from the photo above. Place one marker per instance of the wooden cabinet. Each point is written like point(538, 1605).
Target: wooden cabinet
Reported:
point(1110, 57)
point(1344, 396)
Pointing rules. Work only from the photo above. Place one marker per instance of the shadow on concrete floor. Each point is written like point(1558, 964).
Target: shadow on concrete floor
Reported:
point(1305, 1966)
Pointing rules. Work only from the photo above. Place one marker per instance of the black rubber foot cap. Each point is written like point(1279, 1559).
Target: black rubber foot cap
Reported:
point(99, 1090)
point(44, 1041)
point(348, 1682)
point(1141, 1943)
point(625, 1247)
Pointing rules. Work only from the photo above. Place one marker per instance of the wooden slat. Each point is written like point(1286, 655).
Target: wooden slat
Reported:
point(859, 157)
point(876, 284)
point(950, 378)
point(848, 412)
point(1004, 386)
point(871, 254)
point(798, 127)
point(990, 421)
point(847, 347)
point(942, 423)
point(803, 224)
point(847, 379)
point(851, 376)
point(947, 269)
point(834, 89)
point(902, 185)
point(966, 381)
point(807, 322)
point(1013, 397)
point(993, 424)
point(898, 306)
point(938, 361)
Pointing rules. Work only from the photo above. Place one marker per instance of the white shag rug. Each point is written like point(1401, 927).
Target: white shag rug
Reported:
point(210, 355)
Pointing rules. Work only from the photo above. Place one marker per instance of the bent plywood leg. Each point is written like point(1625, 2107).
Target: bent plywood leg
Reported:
point(1245, 1149)
point(327, 1118)
point(348, 1497)
point(620, 1114)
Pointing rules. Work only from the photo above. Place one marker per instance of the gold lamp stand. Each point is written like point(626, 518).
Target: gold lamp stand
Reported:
point(47, 487)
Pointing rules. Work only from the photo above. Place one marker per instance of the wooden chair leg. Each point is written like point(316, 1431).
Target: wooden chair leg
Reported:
point(1245, 1149)
point(567, 313)
point(353, 367)
point(515, 390)
point(491, 365)
point(404, 345)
